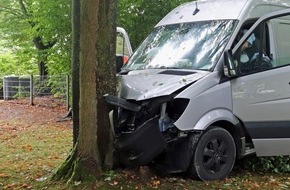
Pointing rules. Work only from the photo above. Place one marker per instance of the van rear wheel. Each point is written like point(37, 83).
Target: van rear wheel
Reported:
point(214, 155)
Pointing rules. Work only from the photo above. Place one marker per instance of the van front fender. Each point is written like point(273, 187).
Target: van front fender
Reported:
point(213, 116)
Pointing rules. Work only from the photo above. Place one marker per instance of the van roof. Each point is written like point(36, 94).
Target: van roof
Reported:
point(222, 10)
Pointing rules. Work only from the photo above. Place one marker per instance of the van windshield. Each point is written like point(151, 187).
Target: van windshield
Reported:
point(196, 46)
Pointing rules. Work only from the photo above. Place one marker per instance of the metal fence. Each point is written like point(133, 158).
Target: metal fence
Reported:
point(15, 87)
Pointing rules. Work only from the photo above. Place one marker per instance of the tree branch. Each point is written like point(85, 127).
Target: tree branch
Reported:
point(23, 8)
point(40, 45)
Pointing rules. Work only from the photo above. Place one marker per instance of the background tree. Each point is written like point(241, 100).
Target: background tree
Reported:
point(34, 30)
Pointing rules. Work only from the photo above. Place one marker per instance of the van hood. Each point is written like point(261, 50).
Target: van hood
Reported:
point(146, 84)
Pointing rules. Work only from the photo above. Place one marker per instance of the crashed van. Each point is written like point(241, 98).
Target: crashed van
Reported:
point(209, 85)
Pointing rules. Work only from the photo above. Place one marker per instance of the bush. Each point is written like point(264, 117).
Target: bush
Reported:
point(277, 164)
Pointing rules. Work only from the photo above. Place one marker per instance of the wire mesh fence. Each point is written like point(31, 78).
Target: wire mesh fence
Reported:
point(17, 87)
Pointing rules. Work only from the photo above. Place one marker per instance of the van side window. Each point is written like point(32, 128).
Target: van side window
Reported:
point(279, 29)
point(266, 48)
point(250, 56)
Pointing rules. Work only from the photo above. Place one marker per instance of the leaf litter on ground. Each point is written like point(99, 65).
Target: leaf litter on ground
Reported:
point(33, 144)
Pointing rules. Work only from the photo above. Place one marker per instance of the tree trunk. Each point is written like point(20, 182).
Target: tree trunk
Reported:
point(42, 54)
point(106, 56)
point(75, 65)
point(83, 163)
point(87, 151)
point(42, 68)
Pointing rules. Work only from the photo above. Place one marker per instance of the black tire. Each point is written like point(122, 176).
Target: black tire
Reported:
point(214, 155)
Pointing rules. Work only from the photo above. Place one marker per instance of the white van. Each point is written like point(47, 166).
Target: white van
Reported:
point(210, 84)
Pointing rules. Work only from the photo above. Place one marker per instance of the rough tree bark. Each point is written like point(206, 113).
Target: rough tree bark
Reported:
point(75, 65)
point(96, 77)
point(83, 163)
point(106, 77)
point(87, 151)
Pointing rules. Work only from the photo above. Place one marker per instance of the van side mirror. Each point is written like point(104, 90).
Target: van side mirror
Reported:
point(229, 65)
point(119, 62)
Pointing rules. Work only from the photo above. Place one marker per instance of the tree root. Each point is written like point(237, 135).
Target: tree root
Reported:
point(77, 169)
point(65, 170)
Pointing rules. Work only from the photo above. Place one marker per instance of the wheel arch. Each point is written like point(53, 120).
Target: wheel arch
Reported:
point(224, 118)
point(237, 132)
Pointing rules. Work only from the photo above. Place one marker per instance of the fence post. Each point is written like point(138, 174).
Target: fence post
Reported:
point(31, 90)
point(4, 89)
point(67, 91)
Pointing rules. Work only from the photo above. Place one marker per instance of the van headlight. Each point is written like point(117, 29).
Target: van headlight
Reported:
point(170, 112)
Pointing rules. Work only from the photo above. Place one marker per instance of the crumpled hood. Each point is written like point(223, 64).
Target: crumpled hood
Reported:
point(146, 84)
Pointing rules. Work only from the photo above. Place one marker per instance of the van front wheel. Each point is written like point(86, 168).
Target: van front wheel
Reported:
point(214, 155)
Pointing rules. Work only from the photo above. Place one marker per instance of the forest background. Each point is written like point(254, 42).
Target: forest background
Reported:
point(35, 35)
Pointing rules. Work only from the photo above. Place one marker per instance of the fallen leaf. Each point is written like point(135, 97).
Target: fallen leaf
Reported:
point(3, 175)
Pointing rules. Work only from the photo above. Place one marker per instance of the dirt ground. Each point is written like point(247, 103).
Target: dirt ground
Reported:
point(34, 141)
point(45, 111)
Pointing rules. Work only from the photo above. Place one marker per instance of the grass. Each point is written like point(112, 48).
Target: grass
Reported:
point(32, 148)
point(29, 157)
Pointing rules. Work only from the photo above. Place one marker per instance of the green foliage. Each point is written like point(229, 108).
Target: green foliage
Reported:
point(9, 65)
point(139, 17)
point(278, 164)
point(22, 23)
point(51, 20)
point(54, 25)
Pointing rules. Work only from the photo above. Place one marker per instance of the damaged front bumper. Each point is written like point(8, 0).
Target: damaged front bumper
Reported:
point(139, 147)
point(145, 131)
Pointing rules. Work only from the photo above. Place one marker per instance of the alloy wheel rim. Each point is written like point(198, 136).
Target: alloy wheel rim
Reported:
point(215, 156)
